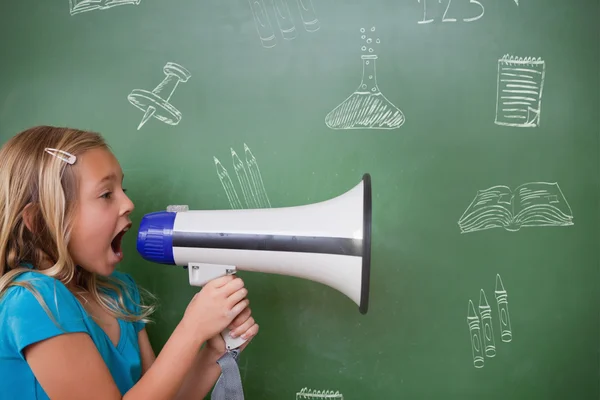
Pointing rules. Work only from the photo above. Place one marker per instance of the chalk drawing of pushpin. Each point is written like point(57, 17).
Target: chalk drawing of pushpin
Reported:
point(156, 103)
point(485, 312)
point(502, 300)
point(475, 333)
point(366, 107)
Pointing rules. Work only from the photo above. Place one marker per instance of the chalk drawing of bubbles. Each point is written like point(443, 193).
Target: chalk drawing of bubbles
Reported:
point(367, 107)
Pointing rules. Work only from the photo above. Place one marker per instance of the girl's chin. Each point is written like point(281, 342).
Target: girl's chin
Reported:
point(115, 258)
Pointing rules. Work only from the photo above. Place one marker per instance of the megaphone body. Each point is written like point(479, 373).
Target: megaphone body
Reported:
point(327, 242)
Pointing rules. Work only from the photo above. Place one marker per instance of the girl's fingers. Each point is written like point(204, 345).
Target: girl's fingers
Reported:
point(239, 307)
point(237, 296)
point(240, 319)
point(232, 286)
point(221, 281)
point(251, 332)
point(243, 328)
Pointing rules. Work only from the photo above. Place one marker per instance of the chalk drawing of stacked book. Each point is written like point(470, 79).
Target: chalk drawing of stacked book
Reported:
point(79, 6)
point(284, 19)
point(310, 394)
point(532, 204)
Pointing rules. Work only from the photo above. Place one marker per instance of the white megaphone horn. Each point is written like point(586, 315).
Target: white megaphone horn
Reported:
point(327, 242)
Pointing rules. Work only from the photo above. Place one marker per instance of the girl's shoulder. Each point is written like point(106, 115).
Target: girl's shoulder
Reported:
point(31, 289)
point(35, 283)
point(34, 280)
point(37, 307)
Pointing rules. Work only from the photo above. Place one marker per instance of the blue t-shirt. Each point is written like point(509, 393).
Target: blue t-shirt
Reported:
point(23, 321)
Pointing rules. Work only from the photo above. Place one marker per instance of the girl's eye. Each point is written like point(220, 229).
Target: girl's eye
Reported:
point(106, 195)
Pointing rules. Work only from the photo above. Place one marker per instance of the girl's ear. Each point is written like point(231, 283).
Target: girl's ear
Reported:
point(29, 217)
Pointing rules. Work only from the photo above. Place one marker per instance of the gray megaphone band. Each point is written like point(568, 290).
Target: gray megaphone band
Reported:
point(229, 384)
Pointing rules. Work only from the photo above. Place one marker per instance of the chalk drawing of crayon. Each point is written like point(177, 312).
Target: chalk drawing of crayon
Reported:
point(502, 300)
point(475, 333)
point(485, 312)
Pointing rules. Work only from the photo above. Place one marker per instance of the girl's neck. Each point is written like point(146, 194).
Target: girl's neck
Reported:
point(72, 285)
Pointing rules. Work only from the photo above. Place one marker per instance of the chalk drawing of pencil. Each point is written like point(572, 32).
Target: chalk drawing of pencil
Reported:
point(259, 187)
point(232, 196)
point(240, 171)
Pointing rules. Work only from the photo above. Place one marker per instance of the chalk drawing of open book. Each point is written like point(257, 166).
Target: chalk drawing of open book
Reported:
point(531, 204)
point(79, 6)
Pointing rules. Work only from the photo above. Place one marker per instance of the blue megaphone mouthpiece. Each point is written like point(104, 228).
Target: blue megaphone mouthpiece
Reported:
point(155, 237)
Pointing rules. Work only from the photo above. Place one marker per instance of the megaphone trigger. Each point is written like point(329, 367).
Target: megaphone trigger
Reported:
point(201, 273)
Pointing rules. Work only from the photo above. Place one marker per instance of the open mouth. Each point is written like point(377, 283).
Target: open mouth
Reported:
point(116, 242)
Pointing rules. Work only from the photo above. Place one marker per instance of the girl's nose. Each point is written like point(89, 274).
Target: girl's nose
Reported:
point(128, 205)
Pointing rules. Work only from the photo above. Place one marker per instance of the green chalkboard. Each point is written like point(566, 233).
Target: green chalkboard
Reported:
point(478, 122)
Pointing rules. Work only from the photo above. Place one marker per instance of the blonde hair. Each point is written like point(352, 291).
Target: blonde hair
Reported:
point(30, 177)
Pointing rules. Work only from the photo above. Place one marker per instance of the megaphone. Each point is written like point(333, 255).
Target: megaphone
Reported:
point(327, 242)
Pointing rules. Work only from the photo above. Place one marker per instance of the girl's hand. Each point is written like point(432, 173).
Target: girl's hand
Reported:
point(215, 307)
point(243, 325)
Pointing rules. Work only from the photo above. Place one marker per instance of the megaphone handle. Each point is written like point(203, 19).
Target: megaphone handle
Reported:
point(232, 343)
point(199, 275)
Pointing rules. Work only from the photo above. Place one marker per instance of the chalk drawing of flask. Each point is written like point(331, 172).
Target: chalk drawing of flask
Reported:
point(367, 107)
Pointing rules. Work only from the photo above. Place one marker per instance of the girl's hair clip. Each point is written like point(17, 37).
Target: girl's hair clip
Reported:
point(62, 155)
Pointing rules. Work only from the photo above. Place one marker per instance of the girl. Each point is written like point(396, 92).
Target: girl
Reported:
point(71, 327)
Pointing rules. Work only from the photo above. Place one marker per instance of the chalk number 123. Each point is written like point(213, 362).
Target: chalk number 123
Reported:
point(447, 19)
